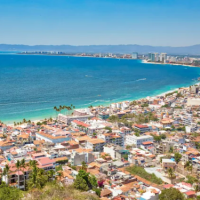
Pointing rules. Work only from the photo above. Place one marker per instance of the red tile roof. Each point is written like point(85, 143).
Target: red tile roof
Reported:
point(145, 143)
point(45, 161)
point(168, 186)
point(81, 123)
point(140, 126)
point(189, 193)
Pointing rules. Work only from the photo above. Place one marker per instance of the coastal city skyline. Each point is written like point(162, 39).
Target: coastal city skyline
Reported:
point(106, 22)
point(99, 100)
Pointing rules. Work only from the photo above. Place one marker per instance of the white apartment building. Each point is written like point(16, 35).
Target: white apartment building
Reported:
point(193, 102)
point(187, 120)
point(137, 141)
point(121, 105)
point(192, 128)
point(113, 138)
point(69, 118)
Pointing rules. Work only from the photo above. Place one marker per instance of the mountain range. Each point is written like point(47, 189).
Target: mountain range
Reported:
point(141, 49)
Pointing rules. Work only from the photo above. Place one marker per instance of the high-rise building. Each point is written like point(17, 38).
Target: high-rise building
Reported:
point(134, 55)
point(151, 57)
point(163, 57)
point(157, 59)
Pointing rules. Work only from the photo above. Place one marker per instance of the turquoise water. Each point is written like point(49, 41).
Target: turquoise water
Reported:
point(31, 85)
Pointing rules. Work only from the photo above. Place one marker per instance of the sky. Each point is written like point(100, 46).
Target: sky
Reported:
point(100, 22)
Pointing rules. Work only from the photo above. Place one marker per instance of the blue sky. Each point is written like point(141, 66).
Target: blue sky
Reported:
point(86, 22)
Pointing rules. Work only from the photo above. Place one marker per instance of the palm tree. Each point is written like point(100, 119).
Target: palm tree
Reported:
point(171, 174)
point(69, 108)
point(196, 187)
point(50, 174)
point(33, 176)
point(33, 163)
point(60, 108)
point(23, 166)
point(37, 178)
point(187, 164)
point(6, 172)
point(189, 168)
point(84, 166)
point(60, 174)
point(18, 166)
point(65, 107)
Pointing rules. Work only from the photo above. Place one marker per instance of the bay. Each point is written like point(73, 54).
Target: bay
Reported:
point(31, 85)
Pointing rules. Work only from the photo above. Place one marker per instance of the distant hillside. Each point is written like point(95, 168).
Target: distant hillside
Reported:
point(192, 50)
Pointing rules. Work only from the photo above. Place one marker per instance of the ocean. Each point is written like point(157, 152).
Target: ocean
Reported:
point(31, 85)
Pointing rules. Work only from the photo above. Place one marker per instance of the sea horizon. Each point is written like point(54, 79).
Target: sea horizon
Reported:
point(33, 84)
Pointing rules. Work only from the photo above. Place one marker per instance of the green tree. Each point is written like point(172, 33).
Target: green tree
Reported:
point(23, 166)
point(18, 166)
point(33, 163)
point(196, 188)
point(191, 180)
point(133, 103)
point(92, 181)
point(84, 181)
point(187, 164)
point(171, 174)
point(137, 134)
point(6, 172)
point(98, 191)
point(50, 174)
point(84, 166)
point(109, 129)
point(190, 167)
point(177, 157)
point(163, 136)
point(157, 138)
point(37, 177)
point(171, 150)
point(94, 134)
point(80, 184)
point(197, 145)
point(171, 194)
point(113, 118)
point(9, 193)
point(59, 168)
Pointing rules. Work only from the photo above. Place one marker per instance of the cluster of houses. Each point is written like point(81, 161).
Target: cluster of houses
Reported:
point(108, 146)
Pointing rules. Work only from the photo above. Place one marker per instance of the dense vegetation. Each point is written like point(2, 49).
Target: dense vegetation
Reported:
point(85, 181)
point(56, 191)
point(136, 170)
point(46, 185)
point(158, 138)
point(9, 193)
point(129, 119)
point(171, 194)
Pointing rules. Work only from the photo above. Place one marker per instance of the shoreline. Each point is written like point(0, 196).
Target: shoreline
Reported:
point(139, 59)
point(76, 56)
point(157, 63)
point(35, 115)
point(106, 104)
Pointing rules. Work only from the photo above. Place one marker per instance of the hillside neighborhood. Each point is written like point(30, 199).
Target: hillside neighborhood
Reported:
point(132, 150)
